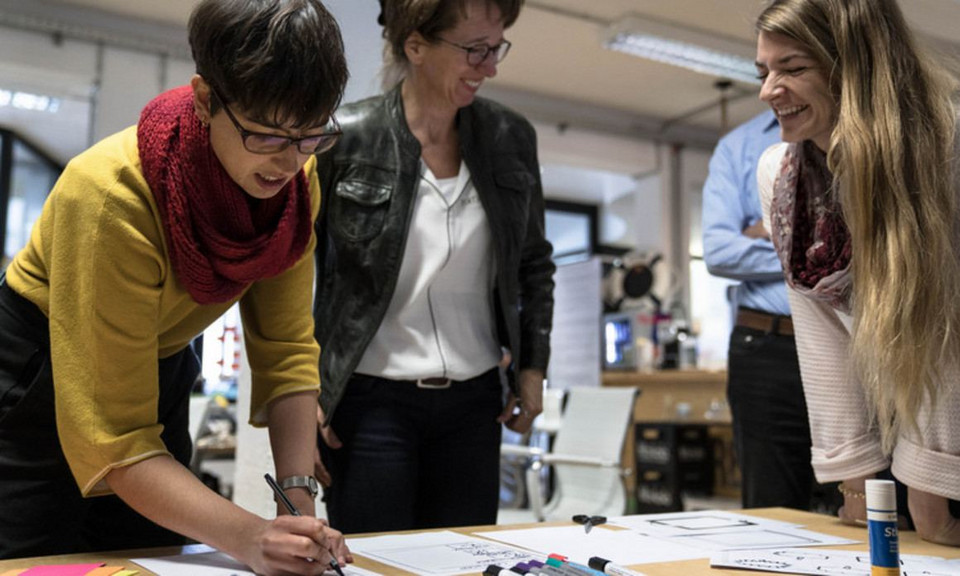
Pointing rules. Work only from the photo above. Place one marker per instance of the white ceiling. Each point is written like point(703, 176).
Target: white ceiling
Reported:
point(557, 56)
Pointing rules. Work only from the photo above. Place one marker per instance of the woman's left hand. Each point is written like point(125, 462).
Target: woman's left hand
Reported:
point(530, 402)
point(932, 518)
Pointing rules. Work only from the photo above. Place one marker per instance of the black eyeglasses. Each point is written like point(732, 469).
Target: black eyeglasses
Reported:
point(478, 54)
point(261, 143)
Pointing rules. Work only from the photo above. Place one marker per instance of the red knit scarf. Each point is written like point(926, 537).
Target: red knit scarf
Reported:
point(219, 238)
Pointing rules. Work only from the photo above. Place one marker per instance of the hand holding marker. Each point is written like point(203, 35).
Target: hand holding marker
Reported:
point(294, 512)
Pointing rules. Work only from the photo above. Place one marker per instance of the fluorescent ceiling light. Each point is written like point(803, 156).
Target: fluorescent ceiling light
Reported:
point(28, 101)
point(685, 47)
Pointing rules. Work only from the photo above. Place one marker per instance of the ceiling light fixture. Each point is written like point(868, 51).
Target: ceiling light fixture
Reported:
point(28, 101)
point(685, 47)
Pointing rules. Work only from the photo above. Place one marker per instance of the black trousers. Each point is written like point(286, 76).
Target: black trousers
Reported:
point(415, 458)
point(770, 426)
point(41, 509)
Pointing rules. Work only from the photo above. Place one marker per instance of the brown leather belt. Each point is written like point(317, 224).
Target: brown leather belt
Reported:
point(769, 323)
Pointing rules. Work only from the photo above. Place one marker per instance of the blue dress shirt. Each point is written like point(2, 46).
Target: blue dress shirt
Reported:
point(730, 204)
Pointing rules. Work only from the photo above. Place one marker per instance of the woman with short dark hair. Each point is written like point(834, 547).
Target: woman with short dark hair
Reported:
point(147, 238)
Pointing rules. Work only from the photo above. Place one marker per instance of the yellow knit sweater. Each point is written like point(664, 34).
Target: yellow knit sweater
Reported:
point(98, 267)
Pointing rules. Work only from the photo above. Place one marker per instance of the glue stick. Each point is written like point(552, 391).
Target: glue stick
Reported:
point(882, 528)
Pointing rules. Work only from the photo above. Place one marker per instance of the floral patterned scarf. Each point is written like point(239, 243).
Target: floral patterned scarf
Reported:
point(809, 233)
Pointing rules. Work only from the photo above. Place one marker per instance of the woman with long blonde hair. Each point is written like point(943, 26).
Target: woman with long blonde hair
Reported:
point(861, 203)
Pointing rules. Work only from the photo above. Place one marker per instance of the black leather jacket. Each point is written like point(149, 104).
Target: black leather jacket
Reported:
point(369, 181)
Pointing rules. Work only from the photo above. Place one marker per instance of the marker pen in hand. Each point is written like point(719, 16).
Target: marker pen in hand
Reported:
point(294, 512)
point(608, 567)
point(882, 528)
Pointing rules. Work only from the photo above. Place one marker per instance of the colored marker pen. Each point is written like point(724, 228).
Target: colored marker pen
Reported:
point(608, 567)
point(882, 528)
point(545, 570)
point(494, 570)
point(524, 568)
point(585, 569)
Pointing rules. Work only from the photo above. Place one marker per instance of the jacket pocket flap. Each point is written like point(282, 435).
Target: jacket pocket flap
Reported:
point(362, 192)
point(516, 179)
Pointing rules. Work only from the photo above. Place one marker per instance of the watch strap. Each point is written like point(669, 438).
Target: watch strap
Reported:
point(308, 483)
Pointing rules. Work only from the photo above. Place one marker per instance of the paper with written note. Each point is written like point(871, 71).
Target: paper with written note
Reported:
point(443, 553)
point(828, 562)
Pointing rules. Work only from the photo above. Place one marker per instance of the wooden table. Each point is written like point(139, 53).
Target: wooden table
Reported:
point(910, 543)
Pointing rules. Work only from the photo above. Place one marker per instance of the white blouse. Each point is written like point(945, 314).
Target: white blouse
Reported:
point(440, 321)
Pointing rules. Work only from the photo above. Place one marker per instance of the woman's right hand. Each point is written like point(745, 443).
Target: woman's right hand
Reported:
point(331, 440)
point(932, 517)
point(301, 545)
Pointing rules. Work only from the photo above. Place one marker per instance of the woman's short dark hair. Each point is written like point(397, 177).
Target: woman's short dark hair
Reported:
point(279, 60)
point(401, 18)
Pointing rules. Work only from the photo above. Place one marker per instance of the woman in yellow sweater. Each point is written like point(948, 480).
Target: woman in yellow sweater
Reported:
point(146, 239)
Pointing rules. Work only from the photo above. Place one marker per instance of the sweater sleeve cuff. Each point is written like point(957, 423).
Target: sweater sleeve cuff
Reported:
point(859, 457)
point(927, 470)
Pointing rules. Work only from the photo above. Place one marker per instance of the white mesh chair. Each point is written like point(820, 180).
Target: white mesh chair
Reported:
point(586, 456)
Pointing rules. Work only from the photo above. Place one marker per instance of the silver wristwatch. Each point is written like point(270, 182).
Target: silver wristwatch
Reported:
point(308, 483)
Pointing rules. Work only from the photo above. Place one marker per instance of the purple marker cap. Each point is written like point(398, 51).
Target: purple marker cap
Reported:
point(536, 564)
point(521, 568)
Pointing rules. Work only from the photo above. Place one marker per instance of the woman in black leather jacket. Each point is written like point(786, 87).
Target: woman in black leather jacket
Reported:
point(434, 272)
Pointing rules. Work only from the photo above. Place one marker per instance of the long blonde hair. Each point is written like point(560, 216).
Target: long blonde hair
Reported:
point(892, 152)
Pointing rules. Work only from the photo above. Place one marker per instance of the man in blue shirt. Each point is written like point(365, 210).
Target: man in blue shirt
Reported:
point(770, 426)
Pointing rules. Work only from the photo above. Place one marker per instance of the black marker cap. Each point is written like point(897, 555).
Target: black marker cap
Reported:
point(492, 570)
point(597, 563)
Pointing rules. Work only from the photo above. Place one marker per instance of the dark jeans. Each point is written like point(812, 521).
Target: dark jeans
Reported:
point(770, 427)
point(41, 509)
point(415, 458)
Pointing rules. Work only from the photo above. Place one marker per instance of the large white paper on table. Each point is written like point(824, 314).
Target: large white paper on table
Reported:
point(619, 546)
point(443, 553)
point(686, 523)
point(762, 538)
point(209, 562)
point(828, 562)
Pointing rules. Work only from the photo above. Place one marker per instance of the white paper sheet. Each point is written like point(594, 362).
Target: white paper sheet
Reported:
point(213, 563)
point(828, 562)
point(714, 530)
point(622, 547)
point(442, 553)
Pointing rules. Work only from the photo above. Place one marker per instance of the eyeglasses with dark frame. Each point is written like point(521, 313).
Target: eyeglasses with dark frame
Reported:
point(262, 143)
point(478, 53)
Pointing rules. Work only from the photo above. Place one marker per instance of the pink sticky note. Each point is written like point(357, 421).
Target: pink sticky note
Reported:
point(61, 570)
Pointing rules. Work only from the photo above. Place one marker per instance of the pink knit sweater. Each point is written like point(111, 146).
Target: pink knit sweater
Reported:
point(846, 444)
